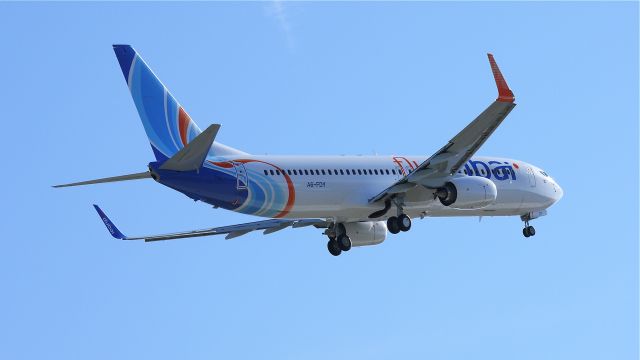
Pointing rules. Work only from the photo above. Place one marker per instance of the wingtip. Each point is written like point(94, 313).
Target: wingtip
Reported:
point(113, 230)
point(504, 93)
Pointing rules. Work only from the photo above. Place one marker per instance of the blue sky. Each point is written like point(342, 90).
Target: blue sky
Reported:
point(310, 78)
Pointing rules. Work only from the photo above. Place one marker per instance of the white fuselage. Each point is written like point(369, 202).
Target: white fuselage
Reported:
point(340, 187)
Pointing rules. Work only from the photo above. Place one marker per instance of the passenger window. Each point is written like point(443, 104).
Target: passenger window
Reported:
point(335, 171)
point(370, 172)
point(277, 172)
point(266, 173)
point(323, 172)
point(295, 172)
point(359, 172)
point(348, 172)
point(306, 172)
point(288, 171)
point(387, 170)
point(375, 171)
point(342, 172)
point(393, 171)
point(353, 171)
point(272, 172)
point(329, 171)
point(317, 172)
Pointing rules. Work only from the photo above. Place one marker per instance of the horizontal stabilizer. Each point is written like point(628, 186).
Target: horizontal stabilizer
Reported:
point(142, 175)
point(194, 153)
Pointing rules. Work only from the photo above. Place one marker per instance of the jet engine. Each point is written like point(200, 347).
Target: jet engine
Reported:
point(470, 192)
point(366, 233)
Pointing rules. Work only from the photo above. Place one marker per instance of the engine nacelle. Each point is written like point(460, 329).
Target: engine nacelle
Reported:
point(366, 233)
point(470, 192)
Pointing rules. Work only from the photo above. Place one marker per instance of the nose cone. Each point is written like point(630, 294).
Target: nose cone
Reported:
point(558, 193)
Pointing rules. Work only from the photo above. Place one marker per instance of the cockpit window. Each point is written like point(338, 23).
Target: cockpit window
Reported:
point(544, 173)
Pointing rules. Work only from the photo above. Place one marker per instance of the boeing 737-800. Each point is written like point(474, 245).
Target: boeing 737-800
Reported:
point(356, 200)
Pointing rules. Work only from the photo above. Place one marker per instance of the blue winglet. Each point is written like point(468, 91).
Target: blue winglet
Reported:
point(110, 226)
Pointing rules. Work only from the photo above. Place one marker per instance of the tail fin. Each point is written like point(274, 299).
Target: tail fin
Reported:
point(168, 126)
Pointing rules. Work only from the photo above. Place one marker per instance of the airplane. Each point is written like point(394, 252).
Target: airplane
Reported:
point(355, 200)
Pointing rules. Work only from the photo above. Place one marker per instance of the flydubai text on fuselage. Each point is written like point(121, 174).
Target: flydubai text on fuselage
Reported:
point(356, 199)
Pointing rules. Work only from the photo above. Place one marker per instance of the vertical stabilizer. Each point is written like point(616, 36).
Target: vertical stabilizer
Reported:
point(168, 126)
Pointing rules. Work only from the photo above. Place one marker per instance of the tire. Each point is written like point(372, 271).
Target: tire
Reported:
point(344, 242)
point(532, 231)
point(525, 232)
point(404, 222)
point(392, 225)
point(334, 248)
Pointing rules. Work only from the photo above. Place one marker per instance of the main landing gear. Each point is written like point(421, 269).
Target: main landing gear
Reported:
point(395, 224)
point(402, 222)
point(339, 241)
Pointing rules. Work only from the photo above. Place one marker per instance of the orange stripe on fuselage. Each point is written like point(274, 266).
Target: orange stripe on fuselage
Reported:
point(292, 190)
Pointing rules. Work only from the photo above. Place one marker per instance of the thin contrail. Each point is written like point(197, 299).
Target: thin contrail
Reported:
point(278, 11)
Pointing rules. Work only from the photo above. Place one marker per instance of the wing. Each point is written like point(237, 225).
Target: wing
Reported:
point(440, 166)
point(269, 226)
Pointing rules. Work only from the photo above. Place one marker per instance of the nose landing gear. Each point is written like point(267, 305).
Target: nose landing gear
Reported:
point(528, 229)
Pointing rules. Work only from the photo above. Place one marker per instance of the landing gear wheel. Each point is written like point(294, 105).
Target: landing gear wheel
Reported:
point(393, 225)
point(334, 248)
point(528, 231)
point(532, 230)
point(344, 242)
point(404, 222)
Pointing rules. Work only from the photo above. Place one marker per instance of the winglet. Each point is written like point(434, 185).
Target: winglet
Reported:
point(504, 93)
point(110, 226)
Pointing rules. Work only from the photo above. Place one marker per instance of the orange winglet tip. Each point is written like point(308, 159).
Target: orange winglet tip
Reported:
point(504, 93)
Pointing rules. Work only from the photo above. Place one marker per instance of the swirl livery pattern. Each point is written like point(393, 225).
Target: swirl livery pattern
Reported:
point(167, 124)
point(265, 196)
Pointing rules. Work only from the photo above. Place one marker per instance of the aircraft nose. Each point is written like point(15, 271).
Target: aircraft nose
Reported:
point(559, 193)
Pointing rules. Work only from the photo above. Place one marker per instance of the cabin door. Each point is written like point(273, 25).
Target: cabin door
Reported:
point(242, 180)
